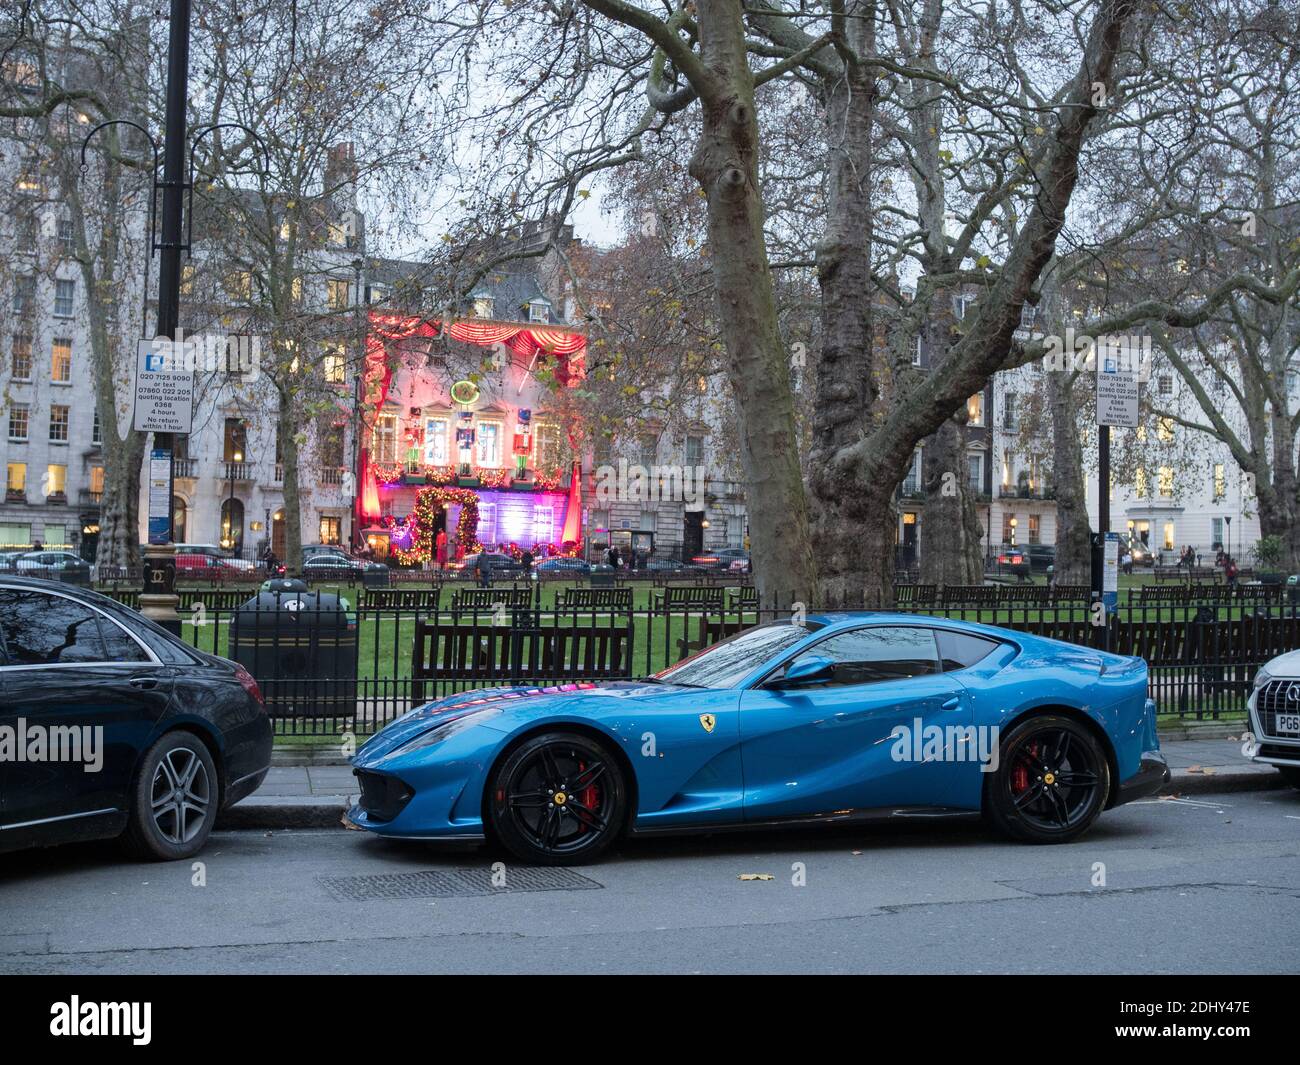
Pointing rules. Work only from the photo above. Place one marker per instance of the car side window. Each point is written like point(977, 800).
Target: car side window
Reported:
point(41, 629)
point(960, 650)
point(118, 646)
point(872, 655)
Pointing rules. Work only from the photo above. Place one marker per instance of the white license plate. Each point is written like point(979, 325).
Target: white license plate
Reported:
point(1288, 723)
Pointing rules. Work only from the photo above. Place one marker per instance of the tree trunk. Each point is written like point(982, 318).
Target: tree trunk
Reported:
point(950, 530)
point(292, 498)
point(119, 506)
point(1073, 563)
point(1279, 500)
point(725, 163)
point(853, 529)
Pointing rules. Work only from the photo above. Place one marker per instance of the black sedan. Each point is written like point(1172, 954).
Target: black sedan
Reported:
point(53, 565)
point(111, 727)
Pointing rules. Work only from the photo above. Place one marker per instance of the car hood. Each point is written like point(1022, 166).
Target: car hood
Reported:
point(560, 699)
point(1287, 665)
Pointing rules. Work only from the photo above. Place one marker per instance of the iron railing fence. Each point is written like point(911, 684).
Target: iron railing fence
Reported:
point(352, 663)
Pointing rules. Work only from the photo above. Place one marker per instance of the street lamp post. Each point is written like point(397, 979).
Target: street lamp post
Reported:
point(358, 421)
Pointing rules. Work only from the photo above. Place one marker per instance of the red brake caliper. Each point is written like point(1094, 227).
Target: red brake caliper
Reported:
point(1020, 773)
point(590, 794)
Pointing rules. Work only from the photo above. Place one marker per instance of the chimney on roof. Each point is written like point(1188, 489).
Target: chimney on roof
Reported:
point(341, 178)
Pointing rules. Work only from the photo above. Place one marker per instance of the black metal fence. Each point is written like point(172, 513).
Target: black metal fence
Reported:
point(328, 665)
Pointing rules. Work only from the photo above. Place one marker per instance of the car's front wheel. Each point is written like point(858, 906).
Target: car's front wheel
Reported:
point(559, 798)
point(1051, 783)
point(174, 804)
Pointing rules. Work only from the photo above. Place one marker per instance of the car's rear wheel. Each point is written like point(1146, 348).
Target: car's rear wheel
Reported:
point(1291, 774)
point(559, 798)
point(1051, 783)
point(175, 801)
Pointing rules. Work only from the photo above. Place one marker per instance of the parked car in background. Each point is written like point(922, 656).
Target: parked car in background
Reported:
point(1274, 707)
point(62, 566)
point(173, 734)
point(1042, 557)
point(326, 566)
point(8, 558)
point(720, 559)
point(198, 566)
point(312, 550)
point(663, 565)
point(563, 566)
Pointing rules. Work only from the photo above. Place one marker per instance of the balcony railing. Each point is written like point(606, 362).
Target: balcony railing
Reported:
point(15, 495)
point(186, 467)
point(332, 475)
point(237, 471)
point(89, 498)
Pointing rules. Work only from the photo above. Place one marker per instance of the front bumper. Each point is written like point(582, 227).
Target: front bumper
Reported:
point(1270, 748)
point(1152, 775)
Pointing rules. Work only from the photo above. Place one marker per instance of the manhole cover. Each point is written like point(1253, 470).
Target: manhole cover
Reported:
point(454, 883)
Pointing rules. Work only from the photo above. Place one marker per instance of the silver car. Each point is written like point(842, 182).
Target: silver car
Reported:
point(1275, 715)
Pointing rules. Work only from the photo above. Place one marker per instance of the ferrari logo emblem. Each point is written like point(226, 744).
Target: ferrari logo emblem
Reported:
point(708, 721)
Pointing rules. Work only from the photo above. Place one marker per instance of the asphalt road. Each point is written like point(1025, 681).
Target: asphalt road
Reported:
point(1191, 886)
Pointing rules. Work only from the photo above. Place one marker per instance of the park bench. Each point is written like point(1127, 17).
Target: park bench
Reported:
point(676, 598)
point(425, 600)
point(445, 650)
point(593, 600)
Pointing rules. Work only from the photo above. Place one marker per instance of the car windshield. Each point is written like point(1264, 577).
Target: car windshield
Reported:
point(726, 664)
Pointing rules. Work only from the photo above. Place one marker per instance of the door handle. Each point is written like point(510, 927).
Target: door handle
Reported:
point(952, 703)
point(144, 683)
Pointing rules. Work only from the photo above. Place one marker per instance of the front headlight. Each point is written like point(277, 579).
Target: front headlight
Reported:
point(1262, 677)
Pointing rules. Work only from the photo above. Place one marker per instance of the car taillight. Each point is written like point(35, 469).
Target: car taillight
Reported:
point(249, 685)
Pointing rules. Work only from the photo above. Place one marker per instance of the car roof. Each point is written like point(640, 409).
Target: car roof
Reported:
point(832, 620)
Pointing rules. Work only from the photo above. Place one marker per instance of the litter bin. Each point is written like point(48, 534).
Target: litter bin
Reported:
point(301, 648)
point(374, 575)
point(281, 585)
point(603, 575)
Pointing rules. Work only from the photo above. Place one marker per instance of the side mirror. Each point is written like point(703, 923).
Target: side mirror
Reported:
point(814, 667)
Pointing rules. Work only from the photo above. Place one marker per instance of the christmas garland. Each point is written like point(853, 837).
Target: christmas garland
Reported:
point(428, 501)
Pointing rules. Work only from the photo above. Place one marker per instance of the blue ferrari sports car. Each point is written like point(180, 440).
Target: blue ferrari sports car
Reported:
point(836, 718)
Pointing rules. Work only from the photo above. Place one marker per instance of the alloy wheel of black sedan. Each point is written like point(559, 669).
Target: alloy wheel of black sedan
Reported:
point(558, 799)
point(1051, 783)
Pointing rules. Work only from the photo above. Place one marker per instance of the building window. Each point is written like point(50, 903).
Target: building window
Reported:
point(232, 524)
point(330, 529)
point(338, 294)
point(16, 477)
point(64, 291)
point(56, 479)
point(975, 409)
point(18, 424)
point(487, 524)
point(912, 482)
point(14, 535)
point(384, 445)
point(1035, 528)
point(695, 451)
point(1009, 411)
point(59, 425)
point(187, 279)
point(22, 357)
point(29, 177)
point(24, 294)
point(1169, 536)
point(538, 311)
point(484, 306)
point(1220, 481)
point(546, 446)
point(916, 351)
point(61, 361)
point(1028, 313)
point(235, 443)
point(543, 523)
point(435, 442)
point(1165, 482)
point(97, 438)
point(1164, 384)
point(1009, 524)
point(67, 244)
point(1216, 534)
point(975, 471)
point(489, 444)
point(338, 237)
point(97, 482)
point(26, 231)
point(335, 365)
point(1165, 430)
